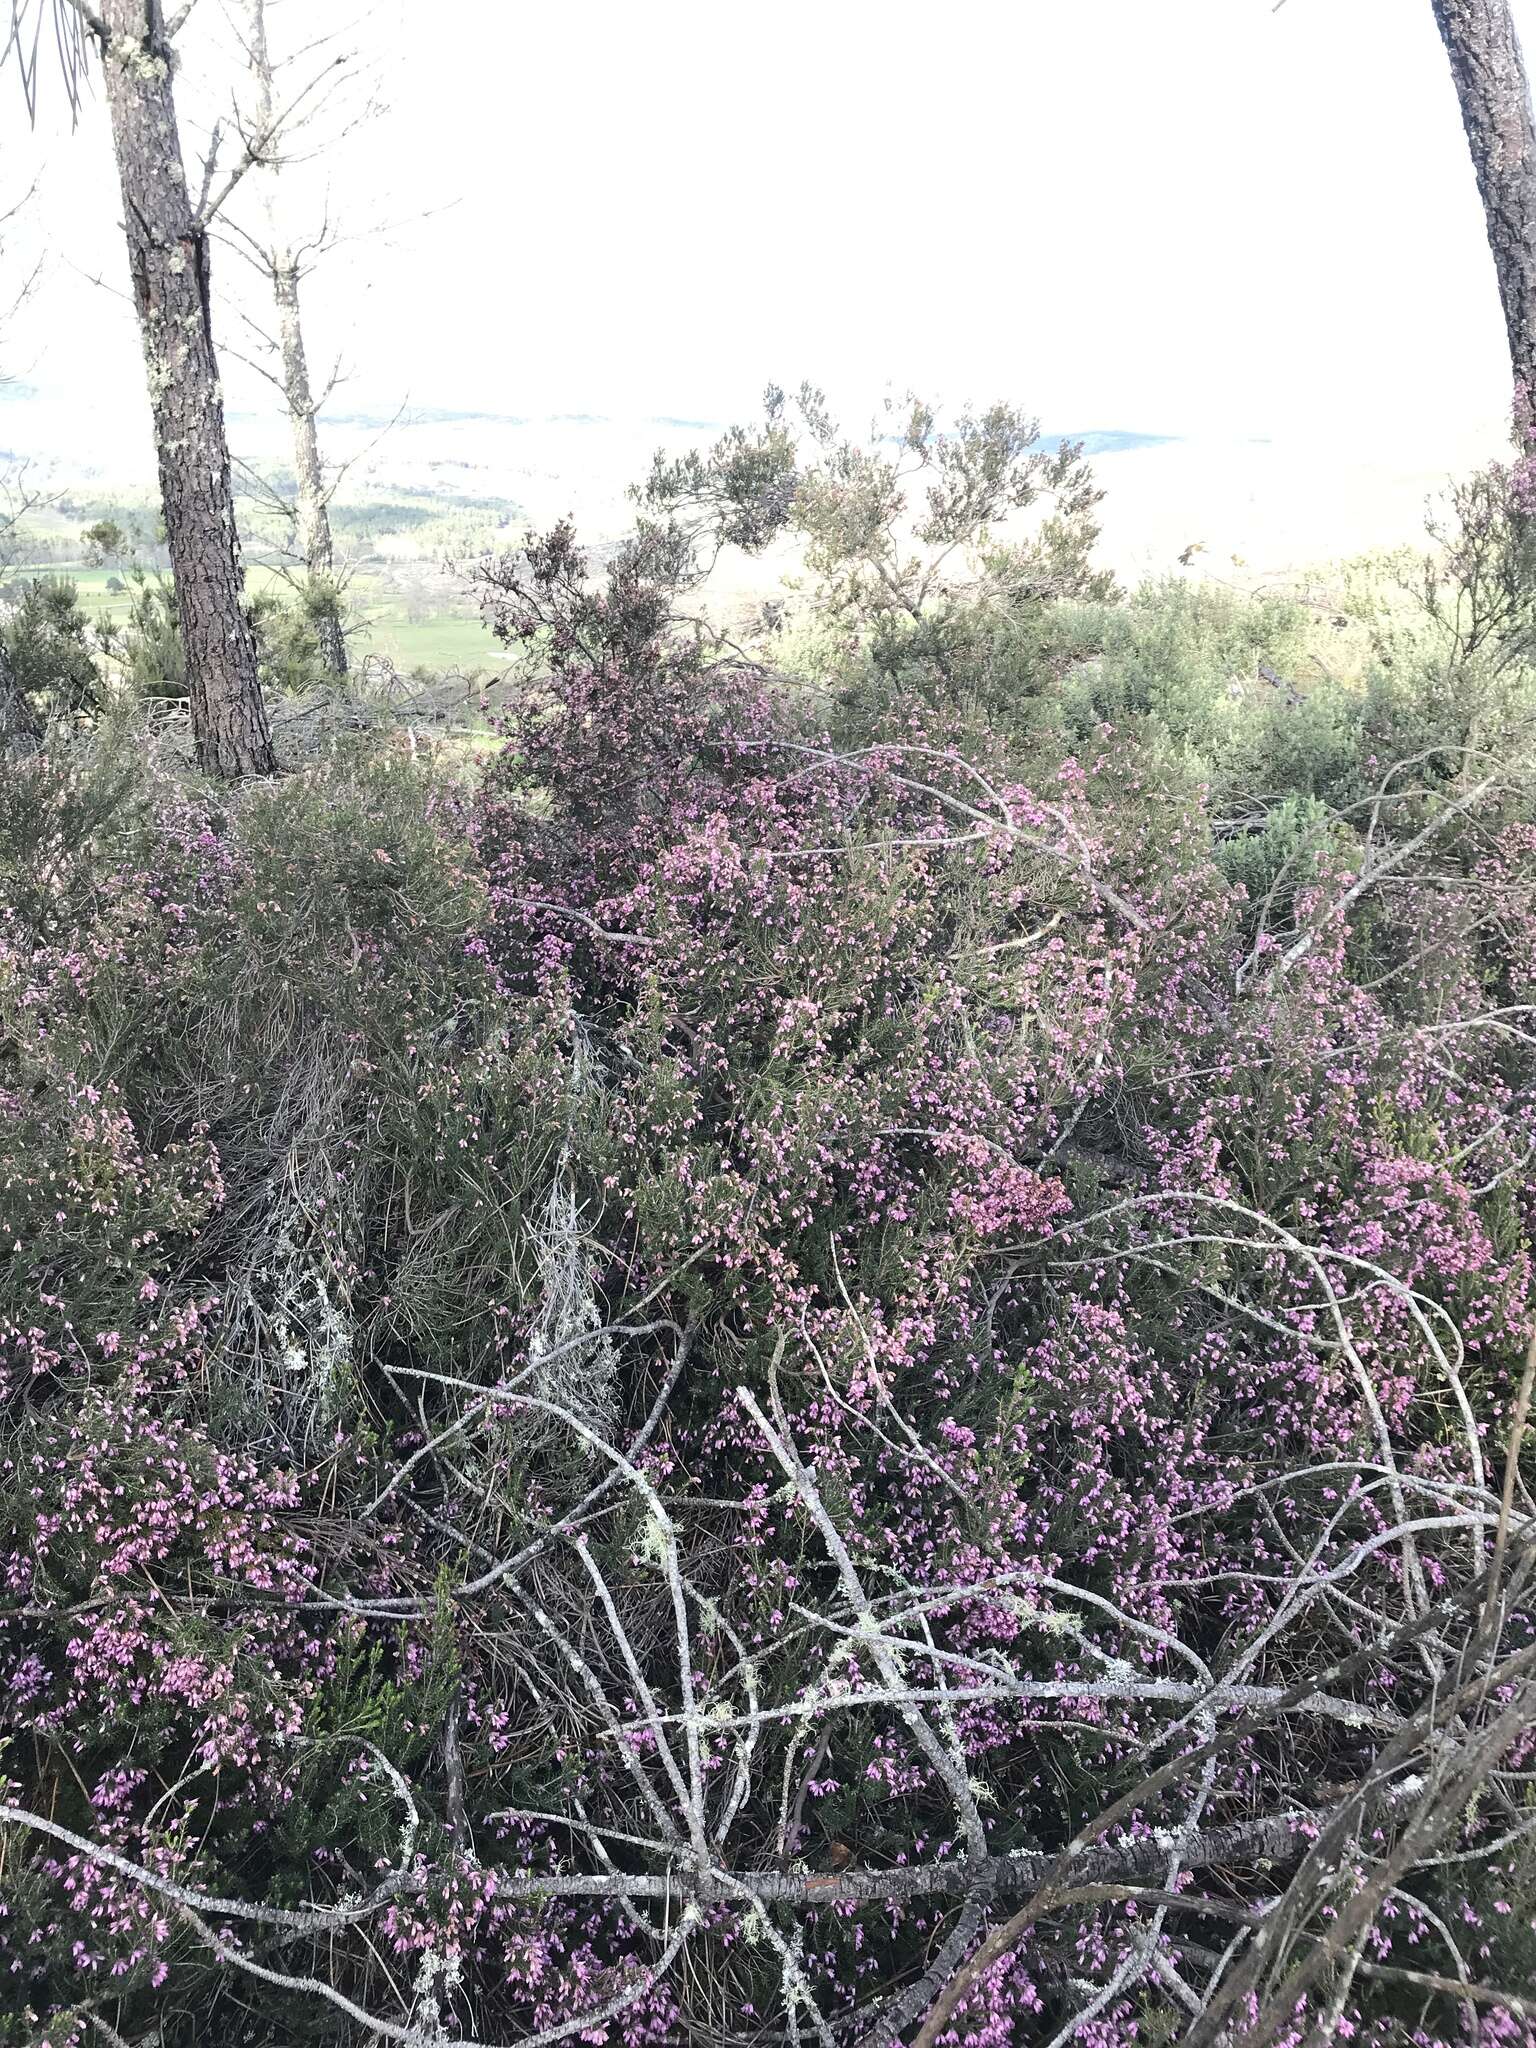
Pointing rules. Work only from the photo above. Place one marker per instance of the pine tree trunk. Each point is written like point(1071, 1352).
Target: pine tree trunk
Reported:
point(314, 535)
point(168, 258)
point(1495, 97)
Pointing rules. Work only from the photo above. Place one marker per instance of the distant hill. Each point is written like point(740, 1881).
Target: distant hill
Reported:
point(1109, 440)
point(448, 416)
point(1095, 440)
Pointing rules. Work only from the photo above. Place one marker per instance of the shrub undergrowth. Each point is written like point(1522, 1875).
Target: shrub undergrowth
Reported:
point(755, 1292)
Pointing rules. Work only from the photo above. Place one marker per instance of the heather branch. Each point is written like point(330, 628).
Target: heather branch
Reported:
point(867, 1626)
point(1415, 1732)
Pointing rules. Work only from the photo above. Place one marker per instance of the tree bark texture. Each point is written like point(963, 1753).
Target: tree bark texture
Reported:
point(1495, 96)
point(313, 519)
point(168, 258)
point(314, 524)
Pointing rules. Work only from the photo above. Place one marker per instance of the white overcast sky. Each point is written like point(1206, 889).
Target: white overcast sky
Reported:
point(1186, 216)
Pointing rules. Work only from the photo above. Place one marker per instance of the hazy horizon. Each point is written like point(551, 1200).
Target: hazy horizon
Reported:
point(1208, 221)
point(1201, 218)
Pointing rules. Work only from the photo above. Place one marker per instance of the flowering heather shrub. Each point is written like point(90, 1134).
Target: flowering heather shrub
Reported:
point(752, 1383)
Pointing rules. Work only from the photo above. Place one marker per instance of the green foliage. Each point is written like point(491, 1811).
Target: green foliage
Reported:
point(368, 1697)
point(147, 645)
point(887, 524)
point(366, 522)
point(48, 640)
point(76, 807)
point(1479, 582)
point(672, 1032)
point(739, 494)
point(107, 541)
point(910, 539)
point(288, 647)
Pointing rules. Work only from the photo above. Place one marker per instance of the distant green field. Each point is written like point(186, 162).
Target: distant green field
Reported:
point(443, 641)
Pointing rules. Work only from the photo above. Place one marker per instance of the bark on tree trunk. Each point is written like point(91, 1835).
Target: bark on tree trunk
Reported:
point(314, 520)
point(168, 257)
point(1486, 63)
point(314, 524)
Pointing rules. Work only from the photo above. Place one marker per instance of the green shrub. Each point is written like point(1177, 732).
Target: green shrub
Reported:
point(48, 640)
point(147, 645)
point(709, 1301)
point(288, 647)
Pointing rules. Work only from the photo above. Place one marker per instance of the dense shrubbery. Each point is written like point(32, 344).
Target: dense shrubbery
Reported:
point(48, 646)
point(61, 663)
point(637, 1383)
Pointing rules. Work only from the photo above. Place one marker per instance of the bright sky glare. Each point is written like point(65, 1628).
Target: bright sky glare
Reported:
point(1172, 215)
